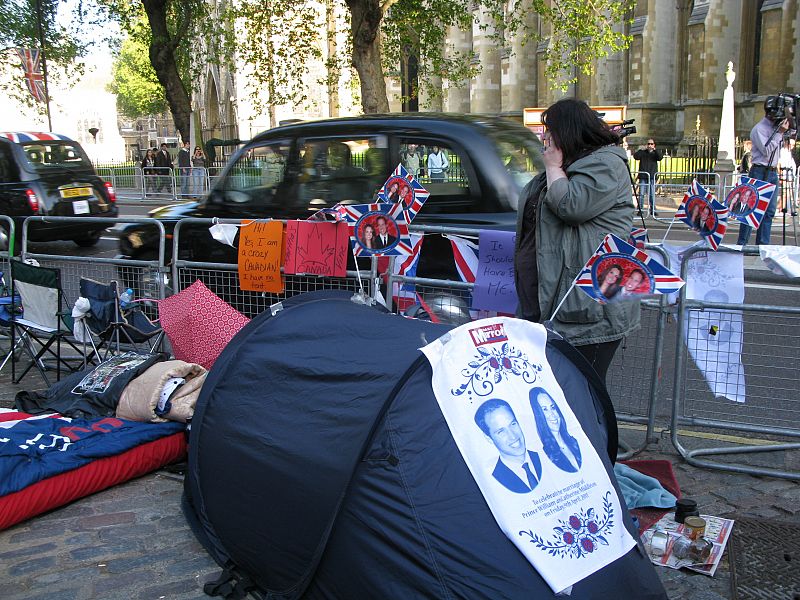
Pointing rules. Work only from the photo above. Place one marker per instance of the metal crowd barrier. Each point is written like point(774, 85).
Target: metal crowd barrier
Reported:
point(673, 184)
point(7, 243)
point(223, 278)
point(144, 277)
point(770, 340)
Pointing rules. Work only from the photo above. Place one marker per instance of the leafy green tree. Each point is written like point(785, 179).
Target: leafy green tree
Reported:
point(180, 36)
point(18, 29)
point(577, 33)
point(276, 42)
point(134, 81)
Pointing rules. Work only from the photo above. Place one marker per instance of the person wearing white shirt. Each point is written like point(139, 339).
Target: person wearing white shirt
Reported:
point(437, 165)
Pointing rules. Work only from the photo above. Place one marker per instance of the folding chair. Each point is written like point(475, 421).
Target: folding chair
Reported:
point(44, 321)
point(113, 325)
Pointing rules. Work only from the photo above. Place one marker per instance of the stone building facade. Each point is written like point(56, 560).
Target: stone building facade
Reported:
point(673, 72)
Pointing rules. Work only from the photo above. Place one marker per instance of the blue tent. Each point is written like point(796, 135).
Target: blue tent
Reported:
point(320, 466)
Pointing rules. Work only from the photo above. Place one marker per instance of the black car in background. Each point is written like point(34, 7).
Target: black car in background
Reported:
point(293, 171)
point(49, 174)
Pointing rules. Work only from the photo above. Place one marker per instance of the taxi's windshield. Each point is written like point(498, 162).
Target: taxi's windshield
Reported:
point(53, 155)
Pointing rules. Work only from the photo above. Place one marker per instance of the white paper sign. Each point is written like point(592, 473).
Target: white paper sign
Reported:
point(80, 207)
point(714, 337)
point(537, 470)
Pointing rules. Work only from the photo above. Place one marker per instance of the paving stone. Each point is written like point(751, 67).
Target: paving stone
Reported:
point(787, 505)
point(27, 550)
point(106, 520)
point(35, 565)
point(171, 590)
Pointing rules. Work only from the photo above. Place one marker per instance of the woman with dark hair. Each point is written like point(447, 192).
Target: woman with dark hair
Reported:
point(563, 216)
point(560, 447)
point(609, 280)
point(368, 237)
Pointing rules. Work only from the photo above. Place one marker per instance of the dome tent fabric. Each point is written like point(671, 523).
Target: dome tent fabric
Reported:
point(320, 466)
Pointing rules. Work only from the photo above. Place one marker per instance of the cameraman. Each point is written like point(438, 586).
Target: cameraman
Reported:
point(766, 136)
point(648, 158)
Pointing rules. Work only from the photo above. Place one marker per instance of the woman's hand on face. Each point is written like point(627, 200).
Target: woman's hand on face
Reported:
point(553, 157)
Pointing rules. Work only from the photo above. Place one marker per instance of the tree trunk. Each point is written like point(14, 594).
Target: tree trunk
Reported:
point(162, 57)
point(365, 25)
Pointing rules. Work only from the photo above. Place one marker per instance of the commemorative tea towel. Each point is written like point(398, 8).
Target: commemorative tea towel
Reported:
point(540, 475)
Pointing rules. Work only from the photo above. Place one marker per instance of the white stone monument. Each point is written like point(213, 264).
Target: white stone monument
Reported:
point(726, 151)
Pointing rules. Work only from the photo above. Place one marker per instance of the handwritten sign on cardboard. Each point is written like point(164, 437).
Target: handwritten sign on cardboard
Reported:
point(316, 248)
point(494, 282)
point(260, 254)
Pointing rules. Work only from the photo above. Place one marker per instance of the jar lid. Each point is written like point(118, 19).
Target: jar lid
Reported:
point(686, 504)
point(694, 522)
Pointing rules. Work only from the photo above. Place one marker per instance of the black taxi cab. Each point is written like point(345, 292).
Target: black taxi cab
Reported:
point(49, 174)
point(480, 165)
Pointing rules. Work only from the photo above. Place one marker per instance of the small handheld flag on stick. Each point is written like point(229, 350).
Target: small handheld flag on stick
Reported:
point(704, 214)
point(618, 271)
point(402, 187)
point(749, 200)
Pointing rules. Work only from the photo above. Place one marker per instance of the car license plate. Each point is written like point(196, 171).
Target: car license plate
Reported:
point(76, 192)
point(80, 207)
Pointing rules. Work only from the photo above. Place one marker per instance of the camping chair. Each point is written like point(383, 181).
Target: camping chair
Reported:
point(113, 325)
point(44, 321)
point(5, 320)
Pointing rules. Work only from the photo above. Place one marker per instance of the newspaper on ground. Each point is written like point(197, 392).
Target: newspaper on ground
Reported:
point(660, 548)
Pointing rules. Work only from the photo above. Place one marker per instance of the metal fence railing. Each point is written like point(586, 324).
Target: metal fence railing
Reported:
point(223, 278)
point(145, 277)
point(765, 338)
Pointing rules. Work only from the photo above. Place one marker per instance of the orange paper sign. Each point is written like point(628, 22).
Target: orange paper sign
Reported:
point(260, 253)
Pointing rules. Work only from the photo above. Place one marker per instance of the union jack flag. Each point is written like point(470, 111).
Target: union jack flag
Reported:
point(465, 254)
point(360, 217)
point(31, 64)
point(638, 237)
point(701, 211)
point(749, 200)
point(403, 187)
point(405, 294)
point(614, 253)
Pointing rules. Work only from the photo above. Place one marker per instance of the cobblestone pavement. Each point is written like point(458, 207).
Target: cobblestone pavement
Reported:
point(132, 541)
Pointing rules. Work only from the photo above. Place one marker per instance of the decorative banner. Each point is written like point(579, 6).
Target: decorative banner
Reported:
point(619, 269)
point(713, 336)
point(378, 229)
point(638, 237)
point(703, 214)
point(494, 282)
point(333, 214)
point(402, 187)
point(545, 484)
point(260, 254)
point(405, 294)
point(749, 200)
point(32, 66)
point(316, 248)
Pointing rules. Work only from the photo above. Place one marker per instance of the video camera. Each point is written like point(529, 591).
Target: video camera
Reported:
point(625, 128)
point(783, 106)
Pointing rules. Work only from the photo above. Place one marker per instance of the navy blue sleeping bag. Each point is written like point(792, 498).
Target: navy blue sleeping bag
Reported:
point(320, 466)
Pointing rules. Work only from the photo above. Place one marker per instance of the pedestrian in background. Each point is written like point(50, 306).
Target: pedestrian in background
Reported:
point(164, 169)
point(184, 167)
point(563, 216)
point(198, 171)
point(149, 171)
point(744, 166)
point(648, 157)
point(437, 165)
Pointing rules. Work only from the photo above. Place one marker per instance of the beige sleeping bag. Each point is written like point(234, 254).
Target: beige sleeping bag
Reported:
point(140, 397)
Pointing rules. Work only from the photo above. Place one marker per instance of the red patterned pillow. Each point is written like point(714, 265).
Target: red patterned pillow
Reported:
point(199, 324)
